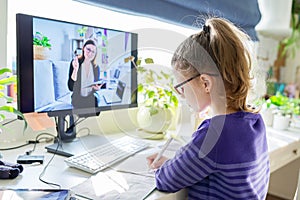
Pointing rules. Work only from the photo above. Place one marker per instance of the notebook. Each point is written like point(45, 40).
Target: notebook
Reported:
point(115, 185)
point(116, 97)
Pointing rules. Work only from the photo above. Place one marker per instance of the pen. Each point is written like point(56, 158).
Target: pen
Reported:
point(164, 148)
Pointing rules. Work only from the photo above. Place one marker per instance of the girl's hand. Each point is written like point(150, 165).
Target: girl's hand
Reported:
point(159, 163)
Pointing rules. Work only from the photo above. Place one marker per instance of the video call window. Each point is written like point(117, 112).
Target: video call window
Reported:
point(110, 79)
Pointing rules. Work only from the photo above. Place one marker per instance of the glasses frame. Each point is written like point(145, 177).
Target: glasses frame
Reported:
point(88, 50)
point(188, 80)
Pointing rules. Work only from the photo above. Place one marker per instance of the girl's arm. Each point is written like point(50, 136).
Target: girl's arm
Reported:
point(185, 169)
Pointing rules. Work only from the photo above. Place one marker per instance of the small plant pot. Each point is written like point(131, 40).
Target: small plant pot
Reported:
point(40, 53)
point(154, 123)
point(268, 116)
point(295, 122)
point(281, 122)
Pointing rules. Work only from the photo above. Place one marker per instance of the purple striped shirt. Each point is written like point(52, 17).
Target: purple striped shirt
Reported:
point(227, 158)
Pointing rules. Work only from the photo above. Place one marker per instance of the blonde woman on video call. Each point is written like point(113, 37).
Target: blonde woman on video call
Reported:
point(227, 157)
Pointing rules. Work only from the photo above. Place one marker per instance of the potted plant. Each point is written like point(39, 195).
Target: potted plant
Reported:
point(41, 44)
point(294, 106)
point(158, 103)
point(82, 31)
point(6, 100)
point(267, 111)
point(285, 109)
point(291, 43)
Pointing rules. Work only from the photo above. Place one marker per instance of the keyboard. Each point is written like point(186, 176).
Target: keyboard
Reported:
point(106, 155)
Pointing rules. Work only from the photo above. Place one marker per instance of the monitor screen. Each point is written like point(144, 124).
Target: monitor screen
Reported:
point(68, 68)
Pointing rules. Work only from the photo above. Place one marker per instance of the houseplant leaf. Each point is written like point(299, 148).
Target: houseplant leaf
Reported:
point(11, 109)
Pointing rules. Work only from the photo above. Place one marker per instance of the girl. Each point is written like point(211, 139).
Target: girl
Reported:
point(227, 157)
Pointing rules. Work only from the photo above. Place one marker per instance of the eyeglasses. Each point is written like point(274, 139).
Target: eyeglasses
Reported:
point(90, 50)
point(178, 88)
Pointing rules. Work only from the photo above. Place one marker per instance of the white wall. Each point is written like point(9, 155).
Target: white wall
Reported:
point(71, 11)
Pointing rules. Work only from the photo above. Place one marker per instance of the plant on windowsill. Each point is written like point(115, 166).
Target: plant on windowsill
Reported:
point(6, 106)
point(285, 109)
point(158, 103)
point(291, 43)
point(42, 45)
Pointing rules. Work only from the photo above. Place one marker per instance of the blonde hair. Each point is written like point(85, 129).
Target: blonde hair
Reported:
point(219, 48)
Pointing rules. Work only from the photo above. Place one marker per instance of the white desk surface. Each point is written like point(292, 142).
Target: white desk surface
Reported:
point(284, 146)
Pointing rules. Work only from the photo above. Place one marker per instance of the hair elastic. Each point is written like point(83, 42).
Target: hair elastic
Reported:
point(206, 29)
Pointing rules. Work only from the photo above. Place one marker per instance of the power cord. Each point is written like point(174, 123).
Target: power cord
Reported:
point(47, 165)
point(38, 139)
point(29, 142)
point(58, 139)
point(8, 122)
point(16, 147)
point(74, 124)
point(51, 159)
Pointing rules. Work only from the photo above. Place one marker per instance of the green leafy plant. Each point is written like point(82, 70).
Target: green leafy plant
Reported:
point(41, 40)
point(285, 106)
point(82, 31)
point(4, 82)
point(292, 42)
point(153, 94)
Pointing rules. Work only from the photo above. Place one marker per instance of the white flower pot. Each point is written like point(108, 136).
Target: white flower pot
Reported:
point(295, 122)
point(267, 115)
point(281, 122)
point(154, 123)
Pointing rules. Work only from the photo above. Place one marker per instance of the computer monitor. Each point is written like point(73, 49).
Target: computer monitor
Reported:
point(47, 82)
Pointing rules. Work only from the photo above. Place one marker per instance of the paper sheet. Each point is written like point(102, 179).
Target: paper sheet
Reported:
point(115, 185)
point(136, 164)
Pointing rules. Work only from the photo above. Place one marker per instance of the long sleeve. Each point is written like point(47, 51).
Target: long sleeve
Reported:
point(70, 80)
point(186, 168)
point(227, 158)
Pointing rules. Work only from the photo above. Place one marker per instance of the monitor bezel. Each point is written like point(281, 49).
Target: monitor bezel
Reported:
point(25, 70)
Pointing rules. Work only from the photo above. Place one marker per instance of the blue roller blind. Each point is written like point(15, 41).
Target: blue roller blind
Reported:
point(189, 13)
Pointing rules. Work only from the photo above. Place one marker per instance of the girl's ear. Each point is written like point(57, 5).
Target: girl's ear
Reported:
point(206, 82)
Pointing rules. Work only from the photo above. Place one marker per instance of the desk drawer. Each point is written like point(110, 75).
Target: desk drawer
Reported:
point(284, 155)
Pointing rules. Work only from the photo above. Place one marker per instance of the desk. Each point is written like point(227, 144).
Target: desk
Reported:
point(284, 147)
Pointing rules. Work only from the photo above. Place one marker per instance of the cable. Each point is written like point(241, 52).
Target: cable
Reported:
point(28, 142)
point(9, 122)
point(55, 152)
point(47, 165)
point(16, 147)
point(74, 124)
point(37, 140)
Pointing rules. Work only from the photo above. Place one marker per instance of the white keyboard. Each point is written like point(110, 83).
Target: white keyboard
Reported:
point(107, 154)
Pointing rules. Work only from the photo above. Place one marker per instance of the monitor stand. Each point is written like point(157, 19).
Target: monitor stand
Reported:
point(68, 144)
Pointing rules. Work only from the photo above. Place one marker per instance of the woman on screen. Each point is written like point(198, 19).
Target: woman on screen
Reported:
point(83, 75)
